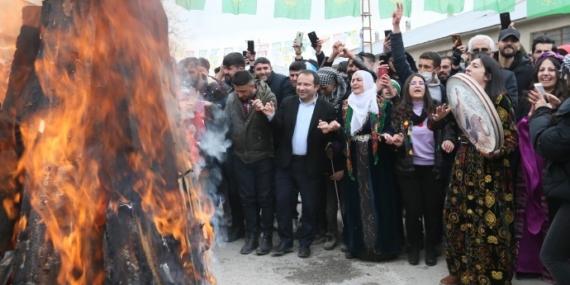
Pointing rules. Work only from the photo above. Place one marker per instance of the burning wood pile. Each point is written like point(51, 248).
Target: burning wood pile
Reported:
point(95, 177)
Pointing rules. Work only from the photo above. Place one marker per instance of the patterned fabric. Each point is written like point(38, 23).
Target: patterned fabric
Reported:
point(376, 124)
point(479, 210)
point(369, 231)
point(329, 75)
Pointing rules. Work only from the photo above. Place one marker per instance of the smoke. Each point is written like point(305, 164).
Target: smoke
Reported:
point(9, 30)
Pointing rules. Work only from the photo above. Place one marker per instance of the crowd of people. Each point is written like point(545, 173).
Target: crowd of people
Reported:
point(385, 148)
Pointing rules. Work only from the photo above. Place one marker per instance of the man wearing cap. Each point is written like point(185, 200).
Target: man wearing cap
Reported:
point(511, 58)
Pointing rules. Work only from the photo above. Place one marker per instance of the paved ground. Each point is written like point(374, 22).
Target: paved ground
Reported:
point(322, 267)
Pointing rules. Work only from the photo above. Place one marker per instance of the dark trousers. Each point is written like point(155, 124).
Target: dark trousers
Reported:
point(254, 181)
point(555, 251)
point(286, 180)
point(423, 196)
point(332, 205)
point(229, 190)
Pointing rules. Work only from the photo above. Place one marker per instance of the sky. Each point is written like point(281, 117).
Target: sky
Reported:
point(213, 29)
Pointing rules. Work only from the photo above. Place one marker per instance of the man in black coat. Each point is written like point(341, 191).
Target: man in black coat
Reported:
point(279, 83)
point(300, 159)
point(511, 58)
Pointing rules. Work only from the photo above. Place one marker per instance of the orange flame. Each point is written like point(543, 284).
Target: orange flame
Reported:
point(98, 109)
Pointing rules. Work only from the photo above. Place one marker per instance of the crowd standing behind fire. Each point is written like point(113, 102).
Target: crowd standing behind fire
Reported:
point(380, 147)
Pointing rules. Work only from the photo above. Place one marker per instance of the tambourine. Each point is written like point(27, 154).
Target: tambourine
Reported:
point(475, 113)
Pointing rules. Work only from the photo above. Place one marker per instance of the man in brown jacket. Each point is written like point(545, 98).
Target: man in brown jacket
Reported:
point(253, 164)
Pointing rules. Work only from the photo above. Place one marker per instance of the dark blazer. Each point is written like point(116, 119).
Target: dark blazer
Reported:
point(284, 126)
point(280, 86)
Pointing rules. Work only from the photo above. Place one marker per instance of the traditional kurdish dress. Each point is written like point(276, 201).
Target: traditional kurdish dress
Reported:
point(479, 210)
point(373, 228)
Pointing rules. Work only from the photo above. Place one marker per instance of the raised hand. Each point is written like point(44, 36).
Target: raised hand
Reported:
point(447, 146)
point(440, 112)
point(337, 48)
point(397, 15)
point(319, 46)
point(298, 48)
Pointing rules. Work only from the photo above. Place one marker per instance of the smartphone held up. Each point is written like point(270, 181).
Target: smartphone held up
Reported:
point(382, 70)
point(540, 89)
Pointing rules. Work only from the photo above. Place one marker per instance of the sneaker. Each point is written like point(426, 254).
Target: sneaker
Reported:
point(330, 242)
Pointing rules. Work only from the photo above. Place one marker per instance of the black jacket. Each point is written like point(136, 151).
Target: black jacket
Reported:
point(552, 141)
point(523, 69)
point(283, 124)
point(280, 86)
point(442, 131)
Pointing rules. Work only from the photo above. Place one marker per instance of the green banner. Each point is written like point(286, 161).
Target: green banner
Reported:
point(538, 8)
point(237, 7)
point(444, 6)
point(342, 8)
point(387, 8)
point(495, 5)
point(192, 4)
point(293, 9)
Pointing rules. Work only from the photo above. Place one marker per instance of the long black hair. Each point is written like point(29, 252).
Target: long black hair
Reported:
point(404, 110)
point(495, 85)
point(560, 89)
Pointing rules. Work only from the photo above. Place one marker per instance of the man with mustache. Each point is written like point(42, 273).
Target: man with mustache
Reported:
point(511, 58)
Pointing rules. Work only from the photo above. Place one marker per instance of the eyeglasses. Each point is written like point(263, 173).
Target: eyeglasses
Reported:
point(475, 50)
point(414, 83)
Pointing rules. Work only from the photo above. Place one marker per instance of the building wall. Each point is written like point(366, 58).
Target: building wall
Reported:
point(527, 27)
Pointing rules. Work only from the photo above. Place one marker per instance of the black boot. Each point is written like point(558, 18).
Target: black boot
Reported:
point(235, 233)
point(431, 255)
point(266, 244)
point(251, 242)
point(414, 254)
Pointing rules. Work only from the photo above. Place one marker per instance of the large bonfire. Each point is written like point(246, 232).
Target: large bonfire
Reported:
point(95, 173)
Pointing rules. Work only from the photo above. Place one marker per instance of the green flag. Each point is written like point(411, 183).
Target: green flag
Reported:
point(293, 9)
point(387, 8)
point(538, 8)
point(192, 4)
point(237, 7)
point(495, 5)
point(342, 8)
point(444, 6)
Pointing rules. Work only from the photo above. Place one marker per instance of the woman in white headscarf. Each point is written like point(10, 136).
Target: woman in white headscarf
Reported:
point(373, 224)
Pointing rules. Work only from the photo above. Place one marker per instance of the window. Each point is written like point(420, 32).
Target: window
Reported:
point(560, 35)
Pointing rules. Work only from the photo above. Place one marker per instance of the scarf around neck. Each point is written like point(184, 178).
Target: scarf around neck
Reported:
point(364, 103)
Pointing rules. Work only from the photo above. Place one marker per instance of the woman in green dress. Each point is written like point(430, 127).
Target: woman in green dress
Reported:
point(479, 207)
point(373, 224)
